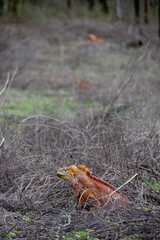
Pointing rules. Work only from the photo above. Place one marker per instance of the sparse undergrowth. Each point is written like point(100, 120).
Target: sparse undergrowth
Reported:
point(114, 131)
point(34, 201)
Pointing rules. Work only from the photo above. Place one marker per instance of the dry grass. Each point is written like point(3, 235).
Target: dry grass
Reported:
point(115, 143)
point(29, 183)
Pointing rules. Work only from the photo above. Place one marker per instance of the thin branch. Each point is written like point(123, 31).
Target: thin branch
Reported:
point(57, 209)
point(7, 84)
point(109, 195)
point(123, 184)
point(2, 143)
point(48, 117)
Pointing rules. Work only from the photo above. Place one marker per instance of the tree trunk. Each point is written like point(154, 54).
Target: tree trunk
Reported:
point(104, 5)
point(146, 8)
point(118, 10)
point(91, 4)
point(159, 18)
point(2, 5)
point(137, 10)
point(15, 7)
point(69, 4)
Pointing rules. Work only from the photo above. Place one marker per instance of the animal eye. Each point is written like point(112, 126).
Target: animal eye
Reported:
point(65, 170)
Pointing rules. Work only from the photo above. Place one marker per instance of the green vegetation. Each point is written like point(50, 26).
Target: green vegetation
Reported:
point(11, 235)
point(152, 183)
point(20, 103)
point(25, 216)
point(146, 209)
point(81, 235)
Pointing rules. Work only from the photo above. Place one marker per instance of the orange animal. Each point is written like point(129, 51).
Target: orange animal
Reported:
point(84, 84)
point(94, 38)
point(91, 191)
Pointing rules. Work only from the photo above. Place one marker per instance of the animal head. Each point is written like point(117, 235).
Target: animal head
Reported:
point(70, 173)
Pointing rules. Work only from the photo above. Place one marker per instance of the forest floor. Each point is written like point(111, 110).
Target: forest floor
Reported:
point(48, 121)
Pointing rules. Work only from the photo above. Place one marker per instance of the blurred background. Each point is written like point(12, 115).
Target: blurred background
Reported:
point(53, 43)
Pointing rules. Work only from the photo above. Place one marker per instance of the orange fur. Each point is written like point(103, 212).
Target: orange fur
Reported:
point(91, 191)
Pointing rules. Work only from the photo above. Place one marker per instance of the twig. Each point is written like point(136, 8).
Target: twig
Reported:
point(118, 173)
point(2, 143)
point(48, 117)
point(109, 195)
point(46, 125)
point(8, 82)
point(57, 209)
point(123, 184)
point(156, 198)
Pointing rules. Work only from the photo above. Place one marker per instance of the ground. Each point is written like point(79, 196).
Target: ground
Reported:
point(48, 122)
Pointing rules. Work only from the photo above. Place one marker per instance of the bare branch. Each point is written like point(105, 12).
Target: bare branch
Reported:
point(110, 195)
point(7, 84)
point(2, 143)
point(123, 184)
